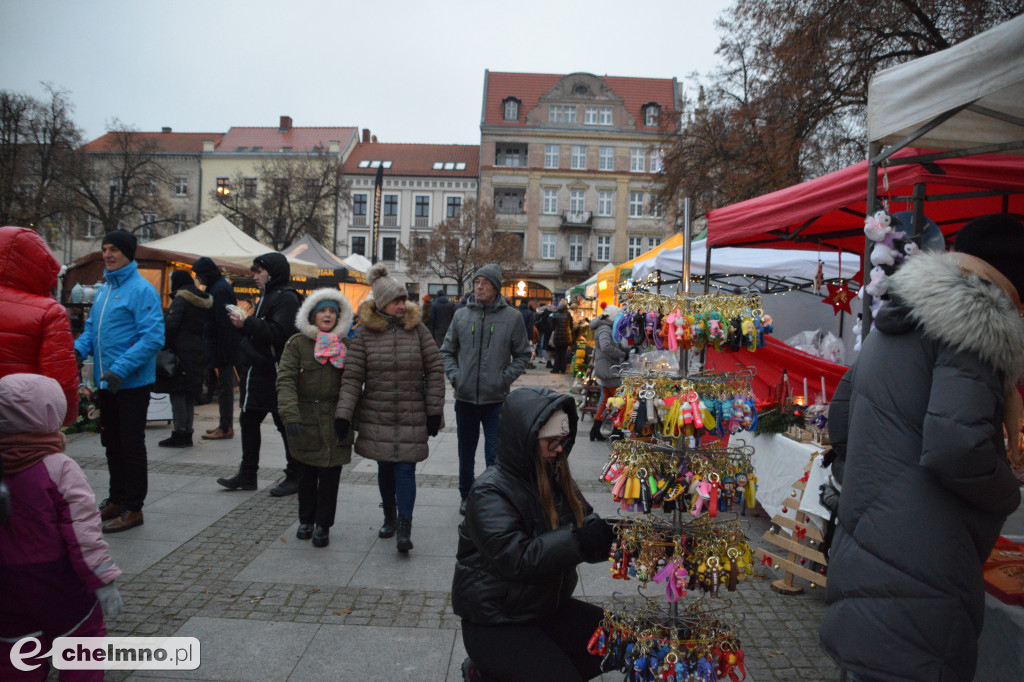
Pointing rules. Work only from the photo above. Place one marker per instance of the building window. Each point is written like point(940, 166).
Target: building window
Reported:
point(548, 242)
point(570, 113)
point(576, 248)
point(511, 109)
point(145, 231)
point(604, 202)
point(522, 242)
point(590, 116)
point(606, 159)
point(389, 249)
point(656, 162)
point(636, 160)
point(454, 206)
point(312, 189)
point(249, 188)
point(634, 247)
point(576, 201)
point(391, 204)
point(90, 226)
point(656, 209)
point(358, 245)
point(604, 116)
point(551, 156)
point(359, 205)
point(181, 186)
point(555, 113)
point(651, 116)
point(604, 247)
point(115, 186)
point(507, 157)
point(636, 205)
point(652, 242)
point(180, 223)
point(422, 215)
point(223, 187)
point(550, 201)
point(579, 157)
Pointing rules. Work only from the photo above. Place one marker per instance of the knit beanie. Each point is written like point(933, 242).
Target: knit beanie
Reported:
point(997, 239)
point(124, 241)
point(179, 279)
point(556, 427)
point(611, 311)
point(207, 269)
point(385, 289)
point(492, 273)
point(326, 303)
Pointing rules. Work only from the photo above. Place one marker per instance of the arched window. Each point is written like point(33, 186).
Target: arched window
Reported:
point(511, 108)
point(651, 114)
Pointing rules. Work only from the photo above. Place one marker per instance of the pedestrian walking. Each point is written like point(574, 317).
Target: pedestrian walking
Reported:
point(56, 574)
point(542, 320)
point(441, 314)
point(561, 337)
point(528, 317)
point(485, 350)
point(35, 328)
point(221, 345)
point(264, 334)
point(183, 335)
point(124, 331)
point(607, 354)
point(527, 527)
point(918, 427)
point(308, 382)
point(394, 382)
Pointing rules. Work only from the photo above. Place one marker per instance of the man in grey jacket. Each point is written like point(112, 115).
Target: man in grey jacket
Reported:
point(484, 351)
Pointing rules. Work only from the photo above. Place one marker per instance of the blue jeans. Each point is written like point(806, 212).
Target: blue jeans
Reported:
point(397, 484)
point(468, 418)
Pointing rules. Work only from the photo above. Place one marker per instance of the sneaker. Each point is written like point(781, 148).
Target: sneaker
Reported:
point(127, 519)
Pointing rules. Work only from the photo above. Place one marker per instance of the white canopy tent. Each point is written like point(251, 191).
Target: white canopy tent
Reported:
point(219, 238)
point(357, 262)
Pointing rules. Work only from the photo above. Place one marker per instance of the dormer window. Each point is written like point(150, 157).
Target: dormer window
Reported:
point(511, 109)
point(651, 114)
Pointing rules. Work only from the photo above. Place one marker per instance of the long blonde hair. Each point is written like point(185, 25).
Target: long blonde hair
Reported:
point(560, 470)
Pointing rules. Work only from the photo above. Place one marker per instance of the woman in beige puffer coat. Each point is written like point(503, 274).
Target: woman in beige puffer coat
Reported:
point(394, 380)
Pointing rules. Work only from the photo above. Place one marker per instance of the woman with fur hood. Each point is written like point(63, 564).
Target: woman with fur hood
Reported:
point(917, 425)
point(308, 381)
point(394, 384)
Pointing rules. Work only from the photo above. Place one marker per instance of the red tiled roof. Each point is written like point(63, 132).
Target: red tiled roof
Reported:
point(415, 159)
point(271, 139)
point(171, 143)
point(530, 87)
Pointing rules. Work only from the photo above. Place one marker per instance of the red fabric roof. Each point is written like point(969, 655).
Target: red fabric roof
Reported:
point(171, 143)
point(530, 87)
point(414, 159)
point(271, 139)
point(834, 204)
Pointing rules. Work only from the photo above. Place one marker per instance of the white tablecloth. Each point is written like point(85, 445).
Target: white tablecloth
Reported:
point(778, 463)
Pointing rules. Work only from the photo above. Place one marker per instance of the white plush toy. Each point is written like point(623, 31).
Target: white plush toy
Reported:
point(878, 226)
point(883, 255)
point(879, 283)
point(911, 249)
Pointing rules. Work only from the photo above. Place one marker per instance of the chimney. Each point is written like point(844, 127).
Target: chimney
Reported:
point(209, 146)
point(286, 124)
point(373, 139)
point(165, 129)
point(366, 135)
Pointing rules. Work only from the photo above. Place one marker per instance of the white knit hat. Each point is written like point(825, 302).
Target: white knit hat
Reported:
point(556, 427)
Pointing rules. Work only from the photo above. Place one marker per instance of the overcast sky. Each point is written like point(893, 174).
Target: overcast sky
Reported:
point(411, 71)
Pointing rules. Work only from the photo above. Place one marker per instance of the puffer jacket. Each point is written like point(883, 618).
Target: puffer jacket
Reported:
point(35, 332)
point(925, 481)
point(307, 390)
point(394, 380)
point(221, 341)
point(607, 353)
point(183, 331)
point(125, 328)
point(511, 566)
point(561, 329)
point(264, 334)
point(485, 350)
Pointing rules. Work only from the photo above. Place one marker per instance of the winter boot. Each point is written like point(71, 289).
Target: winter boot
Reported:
point(390, 522)
point(289, 486)
point(404, 534)
point(321, 536)
point(243, 480)
point(595, 431)
point(178, 439)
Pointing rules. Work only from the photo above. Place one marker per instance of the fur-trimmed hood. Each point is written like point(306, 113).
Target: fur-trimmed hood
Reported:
point(370, 318)
point(344, 322)
point(960, 309)
point(196, 297)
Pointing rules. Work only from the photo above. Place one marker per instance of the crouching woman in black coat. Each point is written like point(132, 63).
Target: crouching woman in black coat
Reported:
point(526, 529)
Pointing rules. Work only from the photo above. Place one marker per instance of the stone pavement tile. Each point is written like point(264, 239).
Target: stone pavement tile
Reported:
point(596, 582)
point(210, 504)
point(134, 554)
point(353, 653)
point(284, 565)
point(415, 571)
point(176, 527)
point(345, 537)
point(168, 482)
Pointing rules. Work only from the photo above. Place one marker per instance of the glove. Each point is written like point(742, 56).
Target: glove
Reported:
point(293, 431)
point(596, 537)
point(113, 381)
point(79, 360)
point(110, 601)
point(341, 427)
point(433, 424)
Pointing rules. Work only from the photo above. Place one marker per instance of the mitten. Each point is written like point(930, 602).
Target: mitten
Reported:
point(595, 537)
point(433, 424)
point(341, 427)
point(293, 430)
point(110, 601)
point(113, 381)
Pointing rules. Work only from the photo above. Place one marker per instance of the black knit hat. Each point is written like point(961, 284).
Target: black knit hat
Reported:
point(124, 240)
point(997, 239)
point(179, 279)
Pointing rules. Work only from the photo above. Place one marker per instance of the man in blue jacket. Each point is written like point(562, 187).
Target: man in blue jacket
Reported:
point(124, 331)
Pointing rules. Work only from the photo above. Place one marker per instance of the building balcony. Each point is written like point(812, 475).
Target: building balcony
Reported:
point(575, 267)
point(421, 221)
point(358, 221)
point(389, 221)
point(577, 219)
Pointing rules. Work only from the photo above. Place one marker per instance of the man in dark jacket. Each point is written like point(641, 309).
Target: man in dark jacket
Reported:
point(917, 424)
point(485, 350)
point(561, 336)
point(220, 343)
point(527, 312)
point(441, 314)
point(264, 334)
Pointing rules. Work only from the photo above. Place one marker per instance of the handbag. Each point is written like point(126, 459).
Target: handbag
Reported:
point(166, 363)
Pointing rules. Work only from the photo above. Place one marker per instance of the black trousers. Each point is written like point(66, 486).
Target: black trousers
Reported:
point(318, 493)
point(553, 648)
point(249, 421)
point(123, 435)
point(226, 395)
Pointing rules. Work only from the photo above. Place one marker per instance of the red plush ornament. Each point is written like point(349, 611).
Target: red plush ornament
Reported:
point(839, 297)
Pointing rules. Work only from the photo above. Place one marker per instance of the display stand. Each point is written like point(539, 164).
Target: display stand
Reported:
point(802, 531)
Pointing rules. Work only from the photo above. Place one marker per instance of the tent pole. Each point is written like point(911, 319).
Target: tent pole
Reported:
point(918, 222)
point(874, 148)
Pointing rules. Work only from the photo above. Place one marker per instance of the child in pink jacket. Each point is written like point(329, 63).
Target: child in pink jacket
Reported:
point(56, 574)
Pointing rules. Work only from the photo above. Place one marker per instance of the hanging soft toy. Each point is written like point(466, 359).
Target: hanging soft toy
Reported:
point(879, 284)
point(716, 334)
point(911, 249)
point(671, 341)
point(878, 226)
point(620, 329)
point(883, 255)
point(684, 331)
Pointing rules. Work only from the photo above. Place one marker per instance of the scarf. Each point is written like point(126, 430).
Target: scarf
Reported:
point(23, 450)
point(329, 348)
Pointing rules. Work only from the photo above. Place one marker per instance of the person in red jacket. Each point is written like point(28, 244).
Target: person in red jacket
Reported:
point(35, 331)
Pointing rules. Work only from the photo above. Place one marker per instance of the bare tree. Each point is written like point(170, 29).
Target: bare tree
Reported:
point(290, 196)
point(460, 245)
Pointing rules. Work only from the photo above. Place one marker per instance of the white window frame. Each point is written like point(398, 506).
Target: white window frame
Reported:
point(577, 201)
point(551, 156)
point(90, 226)
point(636, 205)
point(570, 113)
point(605, 202)
point(604, 116)
point(590, 116)
point(604, 247)
point(637, 160)
point(181, 186)
point(579, 157)
point(554, 113)
point(606, 158)
point(634, 247)
point(550, 201)
point(511, 110)
point(653, 241)
point(576, 244)
point(651, 116)
point(548, 245)
point(656, 161)
point(655, 210)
